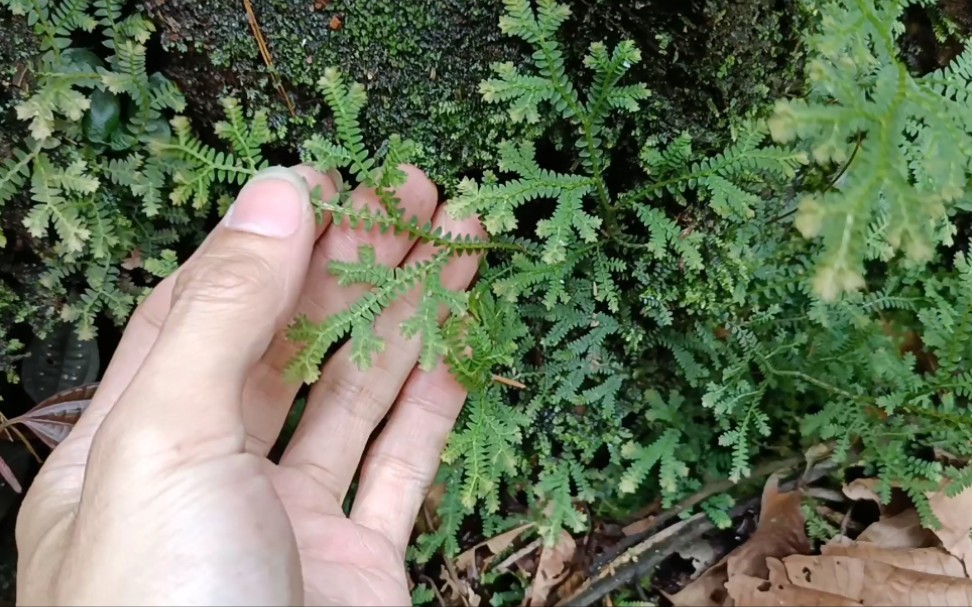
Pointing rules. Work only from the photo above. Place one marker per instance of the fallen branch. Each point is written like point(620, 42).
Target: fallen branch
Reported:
point(639, 555)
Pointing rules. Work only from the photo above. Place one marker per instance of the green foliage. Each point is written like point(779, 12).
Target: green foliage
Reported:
point(93, 190)
point(906, 142)
point(648, 316)
point(693, 283)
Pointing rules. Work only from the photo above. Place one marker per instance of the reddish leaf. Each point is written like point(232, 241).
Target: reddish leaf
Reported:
point(8, 475)
point(52, 420)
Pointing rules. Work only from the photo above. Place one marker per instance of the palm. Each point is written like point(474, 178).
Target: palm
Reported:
point(342, 562)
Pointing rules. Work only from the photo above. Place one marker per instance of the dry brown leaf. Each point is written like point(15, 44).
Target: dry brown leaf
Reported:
point(876, 583)
point(553, 568)
point(781, 532)
point(708, 590)
point(496, 545)
point(926, 560)
point(133, 261)
point(749, 590)
point(862, 489)
point(458, 591)
point(955, 515)
point(756, 592)
point(902, 530)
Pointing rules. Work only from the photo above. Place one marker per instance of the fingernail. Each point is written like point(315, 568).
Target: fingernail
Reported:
point(273, 204)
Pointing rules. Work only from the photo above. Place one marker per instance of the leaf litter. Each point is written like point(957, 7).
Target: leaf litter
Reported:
point(894, 561)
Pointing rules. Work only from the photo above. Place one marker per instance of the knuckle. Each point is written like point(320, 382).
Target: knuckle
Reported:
point(359, 399)
point(410, 474)
point(440, 411)
point(225, 277)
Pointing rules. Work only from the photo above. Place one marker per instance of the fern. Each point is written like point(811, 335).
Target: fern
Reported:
point(906, 140)
point(647, 268)
point(485, 448)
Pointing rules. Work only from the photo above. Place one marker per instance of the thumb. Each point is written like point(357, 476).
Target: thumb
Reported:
point(228, 302)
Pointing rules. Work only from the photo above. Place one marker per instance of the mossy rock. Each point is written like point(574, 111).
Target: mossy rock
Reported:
point(422, 62)
point(708, 62)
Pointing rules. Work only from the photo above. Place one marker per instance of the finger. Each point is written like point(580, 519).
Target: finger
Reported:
point(268, 394)
point(226, 306)
point(324, 186)
point(402, 462)
point(346, 404)
point(146, 321)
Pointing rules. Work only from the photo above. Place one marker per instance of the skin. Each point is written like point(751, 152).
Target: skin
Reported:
point(162, 493)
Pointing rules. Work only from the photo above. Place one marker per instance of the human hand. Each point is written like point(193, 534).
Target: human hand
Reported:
point(162, 493)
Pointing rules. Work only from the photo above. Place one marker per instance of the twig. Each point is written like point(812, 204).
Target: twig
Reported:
point(639, 555)
point(265, 53)
point(509, 382)
point(435, 589)
point(513, 558)
point(705, 493)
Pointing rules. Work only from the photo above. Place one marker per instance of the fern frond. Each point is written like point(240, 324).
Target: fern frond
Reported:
point(389, 285)
point(246, 140)
point(346, 102)
point(485, 449)
point(914, 148)
point(201, 166)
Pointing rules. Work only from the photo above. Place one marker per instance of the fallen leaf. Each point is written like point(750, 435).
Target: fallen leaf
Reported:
point(459, 591)
point(777, 590)
point(876, 583)
point(926, 560)
point(862, 489)
point(467, 560)
point(133, 261)
point(553, 568)
point(955, 516)
point(708, 590)
point(902, 530)
point(781, 532)
point(756, 592)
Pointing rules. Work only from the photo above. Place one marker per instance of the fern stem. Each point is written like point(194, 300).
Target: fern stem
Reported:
point(202, 159)
point(422, 233)
point(583, 120)
point(812, 380)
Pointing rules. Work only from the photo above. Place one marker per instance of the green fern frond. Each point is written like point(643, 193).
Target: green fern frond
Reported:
point(245, 139)
point(346, 102)
point(557, 510)
point(200, 167)
point(913, 143)
point(14, 172)
point(389, 285)
point(485, 448)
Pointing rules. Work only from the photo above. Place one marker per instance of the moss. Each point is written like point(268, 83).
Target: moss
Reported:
point(707, 62)
point(17, 46)
point(421, 61)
